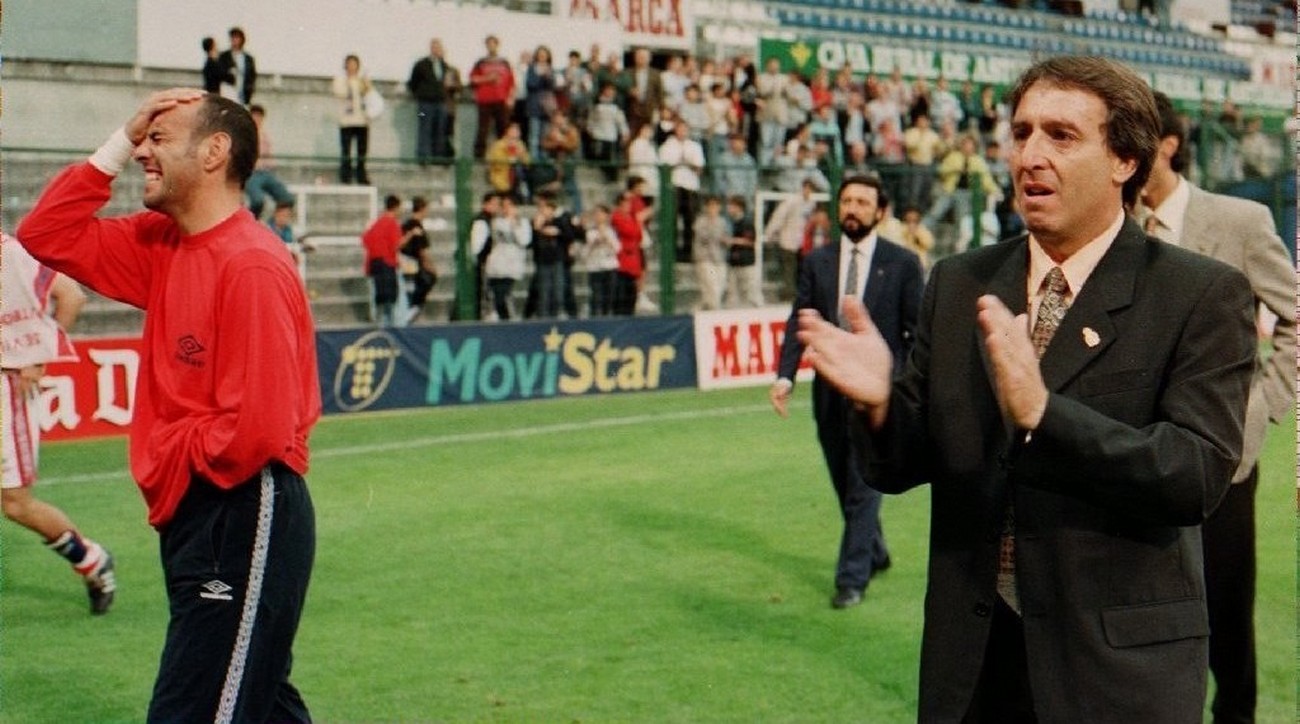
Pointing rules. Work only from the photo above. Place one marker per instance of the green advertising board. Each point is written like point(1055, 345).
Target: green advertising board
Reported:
point(806, 55)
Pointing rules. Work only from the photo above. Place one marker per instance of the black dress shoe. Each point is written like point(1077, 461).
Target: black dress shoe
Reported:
point(881, 565)
point(846, 597)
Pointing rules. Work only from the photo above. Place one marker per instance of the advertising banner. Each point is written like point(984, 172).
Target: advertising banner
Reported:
point(806, 55)
point(741, 347)
point(377, 369)
point(651, 23)
point(93, 397)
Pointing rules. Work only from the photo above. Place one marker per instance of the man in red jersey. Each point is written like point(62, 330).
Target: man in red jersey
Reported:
point(227, 395)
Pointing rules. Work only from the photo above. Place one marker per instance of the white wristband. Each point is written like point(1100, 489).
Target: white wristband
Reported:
point(112, 157)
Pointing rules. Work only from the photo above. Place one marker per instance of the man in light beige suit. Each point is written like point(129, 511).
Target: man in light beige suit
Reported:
point(1240, 233)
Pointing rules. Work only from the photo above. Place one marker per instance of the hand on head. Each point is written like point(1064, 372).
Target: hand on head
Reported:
point(158, 103)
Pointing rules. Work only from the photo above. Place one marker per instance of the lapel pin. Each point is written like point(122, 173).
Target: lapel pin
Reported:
point(1090, 337)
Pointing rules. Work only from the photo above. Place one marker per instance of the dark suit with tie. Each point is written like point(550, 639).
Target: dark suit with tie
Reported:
point(893, 295)
point(1148, 376)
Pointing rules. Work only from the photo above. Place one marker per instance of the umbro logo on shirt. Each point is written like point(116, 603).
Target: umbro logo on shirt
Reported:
point(189, 351)
point(216, 590)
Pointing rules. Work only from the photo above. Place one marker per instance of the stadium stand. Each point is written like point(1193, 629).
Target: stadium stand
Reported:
point(334, 282)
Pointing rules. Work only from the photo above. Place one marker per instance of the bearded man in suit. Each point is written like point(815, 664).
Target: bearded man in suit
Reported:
point(888, 280)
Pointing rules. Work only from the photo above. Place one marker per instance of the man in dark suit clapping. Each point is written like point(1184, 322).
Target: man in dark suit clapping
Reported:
point(1071, 459)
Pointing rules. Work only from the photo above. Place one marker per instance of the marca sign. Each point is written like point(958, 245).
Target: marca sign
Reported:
point(741, 347)
point(94, 396)
point(656, 23)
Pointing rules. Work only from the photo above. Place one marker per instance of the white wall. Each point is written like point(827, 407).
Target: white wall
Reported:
point(311, 37)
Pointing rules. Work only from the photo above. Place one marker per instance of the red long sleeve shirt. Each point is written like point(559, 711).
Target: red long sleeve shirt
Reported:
point(382, 240)
point(629, 233)
point(227, 380)
point(493, 80)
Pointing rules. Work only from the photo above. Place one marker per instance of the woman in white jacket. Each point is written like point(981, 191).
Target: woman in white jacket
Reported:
point(354, 122)
point(511, 236)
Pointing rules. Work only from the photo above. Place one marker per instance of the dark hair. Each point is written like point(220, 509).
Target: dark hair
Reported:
point(237, 31)
point(488, 197)
point(737, 201)
point(418, 203)
point(391, 202)
point(255, 108)
point(1171, 124)
point(862, 179)
point(208, 44)
point(632, 182)
point(283, 205)
point(1132, 121)
point(222, 115)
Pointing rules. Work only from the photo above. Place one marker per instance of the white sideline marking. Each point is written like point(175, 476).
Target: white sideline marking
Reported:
point(469, 437)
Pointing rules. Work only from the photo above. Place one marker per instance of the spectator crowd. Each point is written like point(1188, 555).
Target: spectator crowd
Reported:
point(711, 133)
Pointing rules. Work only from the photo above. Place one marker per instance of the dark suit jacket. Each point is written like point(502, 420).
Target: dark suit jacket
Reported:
point(892, 295)
point(1148, 376)
point(227, 61)
point(645, 107)
point(425, 86)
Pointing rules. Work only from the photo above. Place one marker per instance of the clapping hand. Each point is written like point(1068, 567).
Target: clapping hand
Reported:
point(858, 363)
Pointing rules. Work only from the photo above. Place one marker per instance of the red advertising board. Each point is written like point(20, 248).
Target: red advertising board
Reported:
point(741, 347)
point(92, 397)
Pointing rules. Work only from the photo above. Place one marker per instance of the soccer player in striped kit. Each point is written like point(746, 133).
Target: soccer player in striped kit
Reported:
point(32, 335)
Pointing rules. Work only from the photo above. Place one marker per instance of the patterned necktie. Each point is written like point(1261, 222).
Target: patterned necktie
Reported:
point(851, 280)
point(1050, 312)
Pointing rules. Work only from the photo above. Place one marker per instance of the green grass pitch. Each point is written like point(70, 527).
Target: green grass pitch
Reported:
point(636, 558)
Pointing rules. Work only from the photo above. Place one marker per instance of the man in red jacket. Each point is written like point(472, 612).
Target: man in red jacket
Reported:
point(493, 81)
point(227, 397)
point(381, 240)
